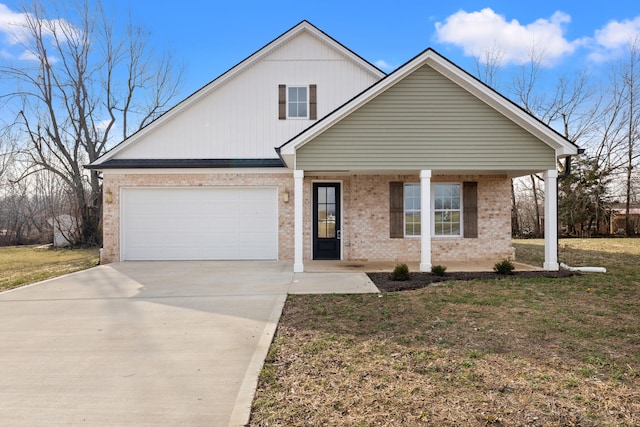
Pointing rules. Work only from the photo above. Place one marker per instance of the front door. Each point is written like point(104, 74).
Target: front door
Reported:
point(326, 220)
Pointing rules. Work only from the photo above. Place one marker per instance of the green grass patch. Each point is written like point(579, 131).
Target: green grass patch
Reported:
point(23, 265)
point(562, 351)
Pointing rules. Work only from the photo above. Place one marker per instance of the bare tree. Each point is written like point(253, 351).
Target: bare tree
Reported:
point(7, 153)
point(488, 64)
point(606, 122)
point(80, 83)
point(569, 107)
point(22, 215)
point(629, 70)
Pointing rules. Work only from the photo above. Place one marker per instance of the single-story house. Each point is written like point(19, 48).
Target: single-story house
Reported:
point(306, 151)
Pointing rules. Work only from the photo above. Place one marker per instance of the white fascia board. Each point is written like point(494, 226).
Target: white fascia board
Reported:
point(458, 76)
point(233, 72)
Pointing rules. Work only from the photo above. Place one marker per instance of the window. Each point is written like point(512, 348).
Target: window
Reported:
point(297, 102)
point(455, 210)
point(412, 209)
point(446, 209)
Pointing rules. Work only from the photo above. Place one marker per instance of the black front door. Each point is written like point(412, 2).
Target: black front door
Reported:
point(326, 220)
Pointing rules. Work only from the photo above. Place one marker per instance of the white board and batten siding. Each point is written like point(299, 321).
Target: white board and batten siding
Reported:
point(239, 119)
point(199, 223)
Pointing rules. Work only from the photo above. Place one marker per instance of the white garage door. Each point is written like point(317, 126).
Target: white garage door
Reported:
point(220, 223)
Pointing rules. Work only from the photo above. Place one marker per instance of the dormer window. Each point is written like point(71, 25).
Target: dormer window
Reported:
point(297, 102)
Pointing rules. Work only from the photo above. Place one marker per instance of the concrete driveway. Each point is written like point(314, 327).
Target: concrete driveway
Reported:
point(144, 343)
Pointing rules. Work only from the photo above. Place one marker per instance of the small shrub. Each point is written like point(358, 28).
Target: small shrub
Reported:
point(504, 267)
point(438, 270)
point(400, 273)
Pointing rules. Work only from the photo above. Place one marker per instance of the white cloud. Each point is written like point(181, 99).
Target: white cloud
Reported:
point(28, 56)
point(477, 32)
point(12, 25)
point(616, 34)
point(103, 124)
point(384, 65)
point(14, 28)
point(611, 40)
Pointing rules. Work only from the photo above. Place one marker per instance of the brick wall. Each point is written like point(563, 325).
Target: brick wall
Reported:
point(494, 223)
point(365, 221)
point(114, 182)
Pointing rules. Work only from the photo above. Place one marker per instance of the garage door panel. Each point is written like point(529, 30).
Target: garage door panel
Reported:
point(202, 223)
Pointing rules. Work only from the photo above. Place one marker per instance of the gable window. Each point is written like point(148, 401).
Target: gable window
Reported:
point(297, 102)
point(446, 209)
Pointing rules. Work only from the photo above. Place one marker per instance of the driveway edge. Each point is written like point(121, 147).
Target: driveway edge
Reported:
point(242, 407)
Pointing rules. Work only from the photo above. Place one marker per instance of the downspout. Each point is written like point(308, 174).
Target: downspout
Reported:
point(566, 173)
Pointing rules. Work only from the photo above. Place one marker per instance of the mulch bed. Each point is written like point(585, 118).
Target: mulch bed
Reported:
point(420, 280)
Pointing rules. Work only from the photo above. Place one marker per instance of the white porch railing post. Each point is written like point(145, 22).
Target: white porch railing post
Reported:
point(551, 220)
point(425, 220)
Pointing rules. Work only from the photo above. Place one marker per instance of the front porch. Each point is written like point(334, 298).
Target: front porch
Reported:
point(364, 210)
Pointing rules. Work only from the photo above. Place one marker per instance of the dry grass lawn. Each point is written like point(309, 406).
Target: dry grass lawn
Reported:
point(534, 352)
point(22, 265)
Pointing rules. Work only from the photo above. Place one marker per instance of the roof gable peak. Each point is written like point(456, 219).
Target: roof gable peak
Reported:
point(303, 27)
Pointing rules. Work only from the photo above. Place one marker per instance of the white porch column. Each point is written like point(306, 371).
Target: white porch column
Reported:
point(551, 220)
point(425, 220)
point(298, 208)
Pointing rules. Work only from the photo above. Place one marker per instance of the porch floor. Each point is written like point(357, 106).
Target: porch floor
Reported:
point(317, 266)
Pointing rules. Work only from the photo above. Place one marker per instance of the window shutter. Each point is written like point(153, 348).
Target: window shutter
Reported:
point(396, 210)
point(282, 102)
point(470, 209)
point(313, 110)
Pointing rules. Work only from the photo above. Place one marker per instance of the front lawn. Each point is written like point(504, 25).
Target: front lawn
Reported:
point(22, 265)
point(538, 352)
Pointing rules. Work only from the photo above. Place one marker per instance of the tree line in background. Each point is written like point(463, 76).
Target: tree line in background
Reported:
point(84, 82)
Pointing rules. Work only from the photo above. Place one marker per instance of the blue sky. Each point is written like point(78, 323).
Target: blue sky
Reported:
point(209, 37)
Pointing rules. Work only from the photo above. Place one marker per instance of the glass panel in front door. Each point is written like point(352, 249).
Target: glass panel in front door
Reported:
point(326, 212)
